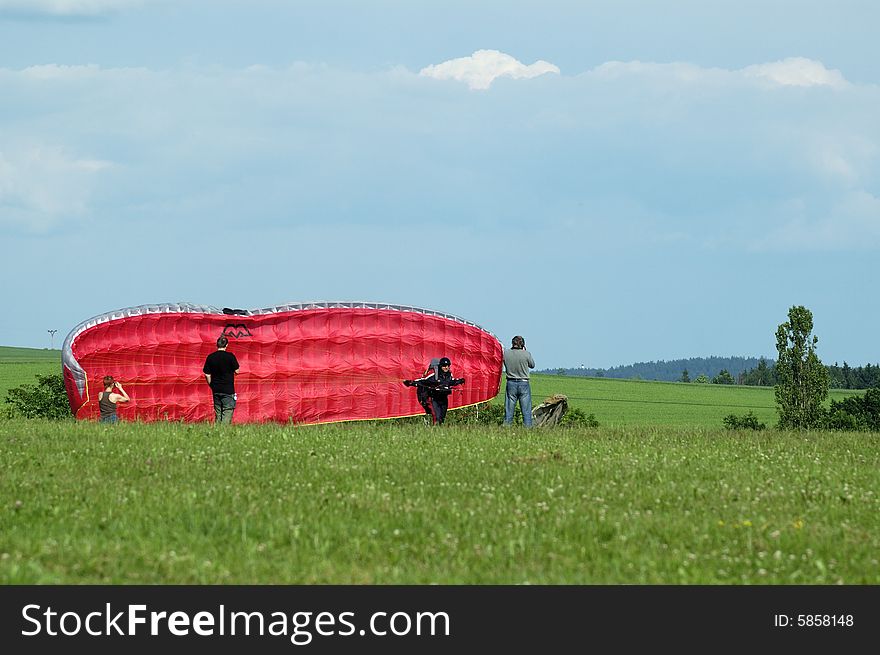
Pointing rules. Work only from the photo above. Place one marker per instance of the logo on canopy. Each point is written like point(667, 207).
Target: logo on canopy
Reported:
point(236, 331)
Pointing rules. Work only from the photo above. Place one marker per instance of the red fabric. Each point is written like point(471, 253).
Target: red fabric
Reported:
point(306, 366)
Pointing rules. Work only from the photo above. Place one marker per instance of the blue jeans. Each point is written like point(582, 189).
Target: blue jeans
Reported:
point(109, 419)
point(518, 390)
point(224, 406)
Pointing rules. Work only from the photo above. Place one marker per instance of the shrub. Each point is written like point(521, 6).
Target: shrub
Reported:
point(487, 413)
point(45, 399)
point(490, 413)
point(855, 412)
point(840, 419)
point(747, 421)
point(578, 418)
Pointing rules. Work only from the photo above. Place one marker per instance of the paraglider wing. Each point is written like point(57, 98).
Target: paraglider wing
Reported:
point(306, 363)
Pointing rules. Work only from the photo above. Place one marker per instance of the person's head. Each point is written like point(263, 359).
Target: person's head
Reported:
point(445, 363)
point(109, 382)
point(518, 342)
point(222, 342)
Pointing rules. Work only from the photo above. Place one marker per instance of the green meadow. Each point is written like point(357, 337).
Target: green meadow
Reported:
point(659, 493)
point(19, 366)
point(619, 403)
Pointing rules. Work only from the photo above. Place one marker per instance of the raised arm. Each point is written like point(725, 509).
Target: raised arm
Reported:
point(120, 394)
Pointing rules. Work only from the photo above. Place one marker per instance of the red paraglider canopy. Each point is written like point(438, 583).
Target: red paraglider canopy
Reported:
point(305, 363)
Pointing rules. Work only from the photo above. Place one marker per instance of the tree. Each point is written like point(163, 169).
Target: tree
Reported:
point(766, 376)
point(761, 375)
point(702, 379)
point(801, 379)
point(684, 376)
point(847, 376)
point(723, 377)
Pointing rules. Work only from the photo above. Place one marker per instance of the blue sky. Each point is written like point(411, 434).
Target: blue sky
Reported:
point(616, 181)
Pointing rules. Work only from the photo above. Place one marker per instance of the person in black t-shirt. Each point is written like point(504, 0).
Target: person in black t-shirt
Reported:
point(220, 370)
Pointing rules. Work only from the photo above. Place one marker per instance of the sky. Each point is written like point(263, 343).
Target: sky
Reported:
point(616, 181)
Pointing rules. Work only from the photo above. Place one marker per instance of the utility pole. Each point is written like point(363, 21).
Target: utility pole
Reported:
point(52, 339)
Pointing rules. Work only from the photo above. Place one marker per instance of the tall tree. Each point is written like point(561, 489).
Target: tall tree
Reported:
point(765, 375)
point(801, 379)
point(847, 376)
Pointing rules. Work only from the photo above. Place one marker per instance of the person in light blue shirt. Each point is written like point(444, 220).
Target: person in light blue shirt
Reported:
point(517, 362)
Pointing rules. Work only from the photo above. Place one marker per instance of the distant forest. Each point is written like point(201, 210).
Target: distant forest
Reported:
point(754, 371)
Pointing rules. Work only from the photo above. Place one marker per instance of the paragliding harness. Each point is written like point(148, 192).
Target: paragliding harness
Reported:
point(423, 391)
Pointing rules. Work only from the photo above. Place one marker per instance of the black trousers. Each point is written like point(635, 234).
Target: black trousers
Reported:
point(439, 404)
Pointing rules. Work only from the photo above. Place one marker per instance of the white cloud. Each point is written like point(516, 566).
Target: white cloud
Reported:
point(67, 8)
point(793, 71)
point(835, 165)
point(852, 224)
point(56, 72)
point(484, 66)
point(208, 141)
point(797, 71)
point(42, 186)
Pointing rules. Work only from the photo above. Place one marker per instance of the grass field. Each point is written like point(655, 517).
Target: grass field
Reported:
point(619, 403)
point(19, 366)
point(658, 494)
point(165, 503)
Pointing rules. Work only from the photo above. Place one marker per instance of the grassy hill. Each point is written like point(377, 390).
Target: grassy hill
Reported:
point(10, 354)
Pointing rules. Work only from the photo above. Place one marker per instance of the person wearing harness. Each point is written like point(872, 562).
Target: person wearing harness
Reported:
point(438, 384)
point(107, 400)
point(517, 362)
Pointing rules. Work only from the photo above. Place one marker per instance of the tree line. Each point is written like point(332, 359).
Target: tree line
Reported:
point(751, 371)
point(667, 371)
point(839, 377)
